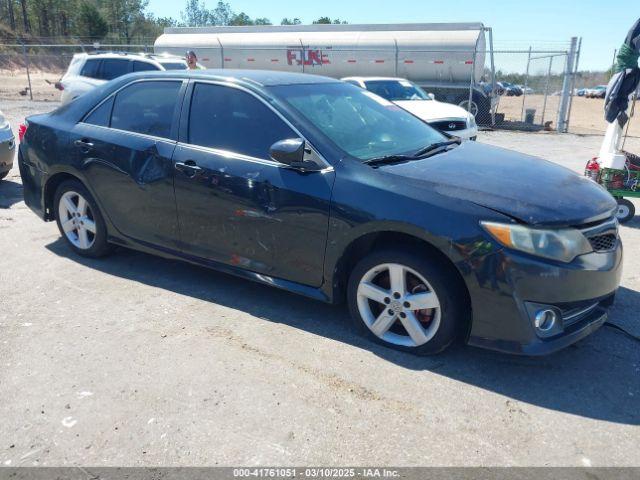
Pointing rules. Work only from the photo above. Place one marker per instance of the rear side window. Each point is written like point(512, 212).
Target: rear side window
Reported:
point(174, 65)
point(113, 68)
point(101, 115)
point(91, 68)
point(146, 107)
point(143, 66)
point(233, 120)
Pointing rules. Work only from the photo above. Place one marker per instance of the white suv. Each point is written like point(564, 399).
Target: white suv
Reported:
point(88, 70)
point(442, 116)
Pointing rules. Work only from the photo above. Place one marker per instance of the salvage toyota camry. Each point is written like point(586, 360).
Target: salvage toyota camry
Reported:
point(324, 189)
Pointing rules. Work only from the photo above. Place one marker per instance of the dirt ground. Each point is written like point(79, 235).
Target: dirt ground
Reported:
point(134, 360)
point(14, 85)
point(587, 114)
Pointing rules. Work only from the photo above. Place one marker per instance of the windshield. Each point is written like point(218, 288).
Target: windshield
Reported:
point(394, 90)
point(358, 122)
point(174, 65)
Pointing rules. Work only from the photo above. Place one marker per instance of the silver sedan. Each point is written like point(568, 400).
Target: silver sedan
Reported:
point(7, 147)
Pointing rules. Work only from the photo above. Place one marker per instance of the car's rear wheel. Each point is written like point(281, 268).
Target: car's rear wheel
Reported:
point(80, 221)
point(406, 301)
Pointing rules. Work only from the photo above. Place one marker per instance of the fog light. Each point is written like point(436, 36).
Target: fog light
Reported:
point(545, 320)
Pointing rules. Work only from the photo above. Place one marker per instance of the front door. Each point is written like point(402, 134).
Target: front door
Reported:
point(235, 204)
point(125, 149)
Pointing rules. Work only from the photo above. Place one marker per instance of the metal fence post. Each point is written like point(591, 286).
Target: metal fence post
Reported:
point(471, 83)
point(492, 108)
point(26, 62)
point(526, 82)
point(573, 82)
point(566, 87)
point(546, 91)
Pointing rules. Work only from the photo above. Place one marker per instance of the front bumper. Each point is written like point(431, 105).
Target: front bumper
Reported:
point(466, 134)
point(7, 150)
point(508, 283)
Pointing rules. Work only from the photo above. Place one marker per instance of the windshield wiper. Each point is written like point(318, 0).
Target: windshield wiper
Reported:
point(389, 159)
point(435, 148)
point(425, 152)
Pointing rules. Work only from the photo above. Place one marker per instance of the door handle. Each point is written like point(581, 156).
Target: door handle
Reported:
point(189, 168)
point(84, 145)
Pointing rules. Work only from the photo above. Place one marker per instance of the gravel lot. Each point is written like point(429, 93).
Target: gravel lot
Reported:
point(136, 361)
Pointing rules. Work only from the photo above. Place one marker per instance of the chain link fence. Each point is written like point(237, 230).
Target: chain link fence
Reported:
point(31, 70)
point(529, 85)
point(520, 89)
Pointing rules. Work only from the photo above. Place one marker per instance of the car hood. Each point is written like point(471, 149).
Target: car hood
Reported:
point(528, 189)
point(430, 110)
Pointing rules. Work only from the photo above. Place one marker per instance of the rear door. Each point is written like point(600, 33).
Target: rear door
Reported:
point(125, 148)
point(90, 72)
point(235, 204)
point(111, 68)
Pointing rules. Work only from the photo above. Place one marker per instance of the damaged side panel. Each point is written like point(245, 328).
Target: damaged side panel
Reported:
point(254, 214)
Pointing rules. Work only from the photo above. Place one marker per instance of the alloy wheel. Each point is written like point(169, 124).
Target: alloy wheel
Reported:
point(77, 220)
point(472, 107)
point(398, 305)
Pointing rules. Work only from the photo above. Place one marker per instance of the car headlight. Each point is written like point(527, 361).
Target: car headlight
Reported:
point(471, 121)
point(563, 244)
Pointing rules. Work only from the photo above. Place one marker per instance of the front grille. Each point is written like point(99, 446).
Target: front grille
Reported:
point(604, 242)
point(602, 236)
point(449, 125)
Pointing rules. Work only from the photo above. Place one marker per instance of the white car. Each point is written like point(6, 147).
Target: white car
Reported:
point(89, 70)
point(7, 147)
point(445, 117)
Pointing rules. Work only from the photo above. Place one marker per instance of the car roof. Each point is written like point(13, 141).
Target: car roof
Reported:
point(260, 78)
point(369, 79)
point(137, 55)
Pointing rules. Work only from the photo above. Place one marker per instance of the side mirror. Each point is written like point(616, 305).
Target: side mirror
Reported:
point(431, 96)
point(291, 152)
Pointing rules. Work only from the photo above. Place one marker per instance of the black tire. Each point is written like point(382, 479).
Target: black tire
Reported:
point(473, 108)
point(3, 175)
point(451, 294)
point(100, 247)
point(480, 105)
point(626, 210)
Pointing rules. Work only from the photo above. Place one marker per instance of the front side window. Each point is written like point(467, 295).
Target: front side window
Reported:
point(230, 119)
point(396, 90)
point(146, 107)
point(143, 66)
point(357, 121)
point(113, 68)
point(174, 65)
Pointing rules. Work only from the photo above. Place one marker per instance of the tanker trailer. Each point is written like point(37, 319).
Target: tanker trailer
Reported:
point(446, 59)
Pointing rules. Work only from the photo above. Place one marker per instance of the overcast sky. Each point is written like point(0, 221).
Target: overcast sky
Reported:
point(516, 24)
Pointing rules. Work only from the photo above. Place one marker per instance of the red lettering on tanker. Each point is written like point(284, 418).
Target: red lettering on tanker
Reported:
point(308, 57)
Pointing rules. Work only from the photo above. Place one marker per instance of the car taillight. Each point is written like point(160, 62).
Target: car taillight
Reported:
point(22, 130)
point(59, 86)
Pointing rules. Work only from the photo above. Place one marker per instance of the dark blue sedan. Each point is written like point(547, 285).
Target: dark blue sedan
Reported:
point(327, 190)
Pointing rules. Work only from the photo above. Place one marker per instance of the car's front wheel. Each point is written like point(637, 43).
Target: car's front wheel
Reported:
point(406, 301)
point(80, 221)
